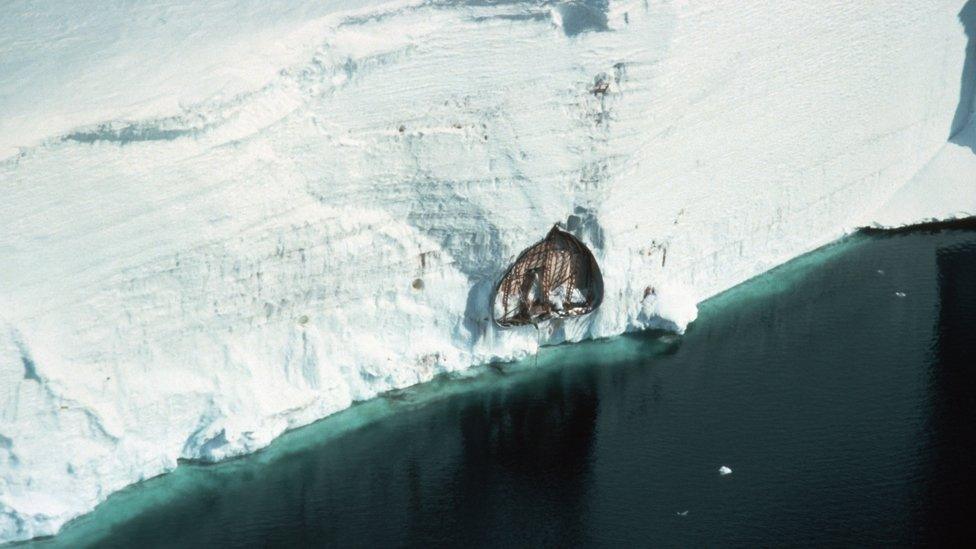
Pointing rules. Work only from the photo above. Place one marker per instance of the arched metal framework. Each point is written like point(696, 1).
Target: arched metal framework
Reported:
point(557, 277)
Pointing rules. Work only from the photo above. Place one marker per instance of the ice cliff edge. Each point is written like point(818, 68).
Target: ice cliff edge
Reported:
point(222, 222)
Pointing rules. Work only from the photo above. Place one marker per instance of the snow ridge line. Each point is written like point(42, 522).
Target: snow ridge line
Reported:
point(327, 71)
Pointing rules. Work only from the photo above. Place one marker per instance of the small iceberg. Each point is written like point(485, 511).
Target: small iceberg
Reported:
point(724, 470)
point(900, 294)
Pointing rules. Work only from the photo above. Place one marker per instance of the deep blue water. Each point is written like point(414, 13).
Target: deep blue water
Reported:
point(840, 389)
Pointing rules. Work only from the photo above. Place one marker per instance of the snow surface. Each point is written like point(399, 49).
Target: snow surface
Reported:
point(214, 216)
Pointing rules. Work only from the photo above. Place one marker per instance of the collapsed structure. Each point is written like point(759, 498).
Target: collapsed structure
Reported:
point(557, 277)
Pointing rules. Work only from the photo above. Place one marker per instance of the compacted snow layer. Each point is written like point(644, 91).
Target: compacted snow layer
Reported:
point(219, 222)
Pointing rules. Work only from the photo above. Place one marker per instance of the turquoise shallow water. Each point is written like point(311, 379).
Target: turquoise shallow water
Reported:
point(839, 388)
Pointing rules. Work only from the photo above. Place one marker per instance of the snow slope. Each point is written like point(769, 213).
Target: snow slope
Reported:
point(214, 219)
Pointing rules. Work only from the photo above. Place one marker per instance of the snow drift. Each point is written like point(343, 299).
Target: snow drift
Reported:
point(214, 218)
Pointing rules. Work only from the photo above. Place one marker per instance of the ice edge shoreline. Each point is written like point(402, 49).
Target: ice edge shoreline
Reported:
point(478, 369)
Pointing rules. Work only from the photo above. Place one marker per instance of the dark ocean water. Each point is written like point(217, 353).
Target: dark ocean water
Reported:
point(840, 389)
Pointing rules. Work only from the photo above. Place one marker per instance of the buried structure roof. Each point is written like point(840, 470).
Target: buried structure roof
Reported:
point(557, 277)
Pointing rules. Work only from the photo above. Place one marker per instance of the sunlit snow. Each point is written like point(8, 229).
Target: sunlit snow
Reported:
point(223, 220)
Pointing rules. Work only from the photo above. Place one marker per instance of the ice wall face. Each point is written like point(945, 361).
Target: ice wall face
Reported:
point(220, 224)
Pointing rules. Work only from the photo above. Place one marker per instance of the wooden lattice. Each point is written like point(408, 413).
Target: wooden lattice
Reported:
point(557, 277)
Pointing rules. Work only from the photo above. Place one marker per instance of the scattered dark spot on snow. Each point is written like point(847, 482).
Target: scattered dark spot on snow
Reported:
point(423, 259)
point(418, 284)
point(601, 85)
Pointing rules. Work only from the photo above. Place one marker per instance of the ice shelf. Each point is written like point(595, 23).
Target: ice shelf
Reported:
point(222, 221)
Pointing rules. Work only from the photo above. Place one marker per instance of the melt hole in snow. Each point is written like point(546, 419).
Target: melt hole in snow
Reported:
point(303, 319)
point(724, 470)
point(418, 284)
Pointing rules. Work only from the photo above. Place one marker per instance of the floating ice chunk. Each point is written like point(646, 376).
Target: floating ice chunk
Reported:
point(900, 294)
point(682, 513)
point(881, 272)
point(724, 470)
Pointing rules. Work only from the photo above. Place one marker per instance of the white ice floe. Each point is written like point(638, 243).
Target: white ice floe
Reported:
point(223, 220)
point(724, 470)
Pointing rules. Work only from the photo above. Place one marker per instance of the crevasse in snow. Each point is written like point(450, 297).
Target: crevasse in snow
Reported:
point(219, 222)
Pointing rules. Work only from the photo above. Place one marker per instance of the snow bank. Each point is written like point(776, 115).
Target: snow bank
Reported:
point(222, 222)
